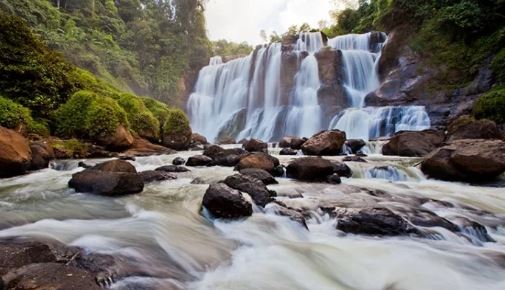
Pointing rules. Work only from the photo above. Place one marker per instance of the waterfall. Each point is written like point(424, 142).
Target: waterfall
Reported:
point(249, 97)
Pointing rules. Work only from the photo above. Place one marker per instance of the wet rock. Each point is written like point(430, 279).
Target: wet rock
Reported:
point(226, 140)
point(15, 153)
point(260, 174)
point(106, 183)
point(121, 140)
point(173, 169)
point(197, 139)
point(372, 221)
point(178, 161)
point(473, 230)
point(15, 253)
point(310, 169)
point(255, 145)
point(252, 186)
point(198, 160)
point(354, 159)
point(42, 154)
point(142, 147)
point(334, 179)
point(224, 202)
point(355, 145)
point(341, 169)
point(127, 158)
point(281, 209)
point(466, 127)
point(153, 176)
point(177, 140)
point(115, 166)
point(83, 164)
point(325, 143)
point(413, 144)
point(279, 171)
point(288, 152)
point(198, 180)
point(259, 161)
point(294, 143)
point(472, 160)
point(213, 151)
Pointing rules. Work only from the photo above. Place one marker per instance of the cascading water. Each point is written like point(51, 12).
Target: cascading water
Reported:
point(246, 97)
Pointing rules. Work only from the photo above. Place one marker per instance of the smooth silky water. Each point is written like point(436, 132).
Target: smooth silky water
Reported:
point(166, 232)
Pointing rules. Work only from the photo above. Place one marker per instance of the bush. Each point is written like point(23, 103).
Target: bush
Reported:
point(177, 123)
point(13, 115)
point(491, 106)
point(87, 115)
point(141, 119)
point(498, 67)
point(160, 110)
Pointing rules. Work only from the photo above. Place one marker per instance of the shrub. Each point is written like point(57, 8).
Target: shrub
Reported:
point(498, 66)
point(177, 123)
point(491, 106)
point(159, 109)
point(141, 119)
point(13, 115)
point(87, 115)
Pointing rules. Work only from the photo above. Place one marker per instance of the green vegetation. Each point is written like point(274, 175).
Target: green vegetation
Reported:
point(140, 118)
point(177, 123)
point(226, 48)
point(498, 67)
point(491, 105)
point(138, 46)
point(15, 116)
point(70, 147)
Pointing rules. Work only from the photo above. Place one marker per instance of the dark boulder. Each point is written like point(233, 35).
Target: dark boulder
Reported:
point(279, 171)
point(310, 169)
point(354, 159)
point(173, 169)
point(153, 176)
point(259, 161)
point(413, 144)
point(255, 145)
point(224, 202)
point(334, 179)
point(115, 166)
point(473, 160)
point(213, 151)
point(325, 143)
point(197, 139)
point(466, 127)
point(106, 183)
point(252, 186)
point(15, 153)
point(198, 160)
point(42, 154)
point(341, 169)
point(288, 152)
point(355, 145)
point(294, 143)
point(373, 221)
point(178, 161)
point(260, 174)
point(119, 141)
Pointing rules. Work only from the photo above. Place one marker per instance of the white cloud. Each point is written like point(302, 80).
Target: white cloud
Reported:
point(242, 20)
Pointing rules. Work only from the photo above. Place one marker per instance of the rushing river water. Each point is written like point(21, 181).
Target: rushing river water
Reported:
point(164, 231)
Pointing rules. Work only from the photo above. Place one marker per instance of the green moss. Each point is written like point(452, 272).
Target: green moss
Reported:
point(88, 115)
point(141, 119)
point(177, 123)
point(159, 109)
point(72, 147)
point(498, 67)
point(491, 106)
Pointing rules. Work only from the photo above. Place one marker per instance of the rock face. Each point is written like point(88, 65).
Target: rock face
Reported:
point(252, 186)
point(255, 145)
point(260, 174)
point(294, 143)
point(474, 160)
point(15, 153)
point(373, 221)
point(42, 153)
point(113, 178)
point(466, 127)
point(198, 160)
point(224, 202)
point(259, 161)
point(325, 143)
point(121, 140)
point(413, 144)
point(310, 169)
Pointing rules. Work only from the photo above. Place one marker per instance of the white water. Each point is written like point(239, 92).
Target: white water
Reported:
point(163, 230)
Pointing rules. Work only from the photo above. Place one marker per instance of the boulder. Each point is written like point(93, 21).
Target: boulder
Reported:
point(341, 169)
point(310, 169)
point(227, 160)
point(281, 209)
point(15, 153)
point(198, 160)
point(106, 183)
point(115, 166)
point(334, 179)
point(226, 140)
point(121, 140)
point(325, 143)
point(279, 171)
point(178, 161)
point(473, 160)
point(255, 145)
point(252, 186)
point(355, 145)
point(224, 202)
point(153, 176)
point(173, 169)
point(294, 143)
point(177, 141)
point(466, 127)
point(372, 221)
point(288, 152)
point(213, 151)
point(260, 174)
point(197, 139)
point(142, 147)
point(413, 144)
point(259, 161)
point(42, 153)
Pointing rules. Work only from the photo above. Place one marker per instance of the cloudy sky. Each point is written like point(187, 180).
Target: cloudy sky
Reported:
point(242, 20)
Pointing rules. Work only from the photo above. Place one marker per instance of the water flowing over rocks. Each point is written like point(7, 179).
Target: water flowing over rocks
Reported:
point(467, 160)
point(15, 155)
point(252, 186)
point(42, 154)
point(325, 143)
point(153, 176)
point(224, 202)
point(414, 144)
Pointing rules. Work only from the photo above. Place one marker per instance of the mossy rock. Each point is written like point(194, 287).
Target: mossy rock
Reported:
point(491, 106)
point(176, 130)
point(142, 121)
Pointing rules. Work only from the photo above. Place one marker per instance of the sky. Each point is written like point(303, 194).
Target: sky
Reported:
point(242, 20)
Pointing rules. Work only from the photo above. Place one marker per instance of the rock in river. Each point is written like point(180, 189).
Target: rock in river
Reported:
point(224, 202)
